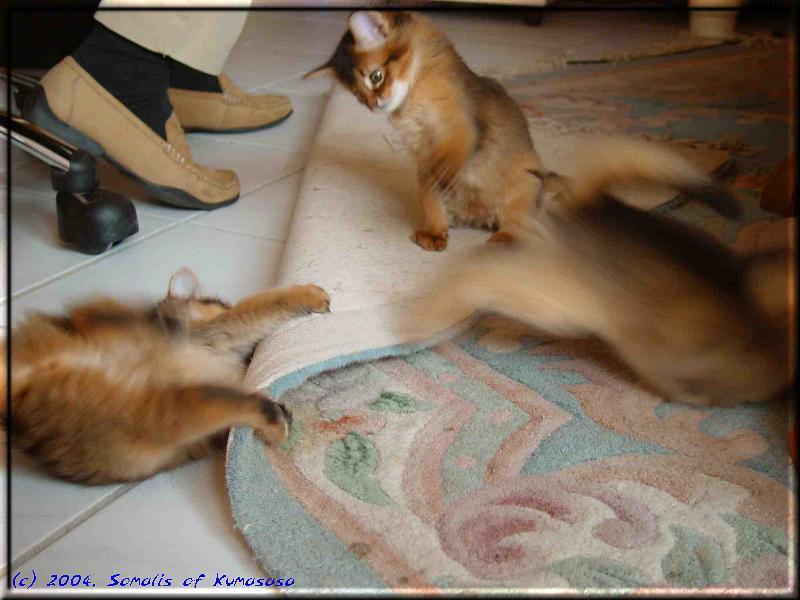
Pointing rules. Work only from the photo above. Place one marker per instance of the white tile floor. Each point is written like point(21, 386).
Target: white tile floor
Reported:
point(179, 522)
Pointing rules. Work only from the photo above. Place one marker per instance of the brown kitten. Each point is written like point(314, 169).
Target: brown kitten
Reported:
point(115, 392)
point(701, 324)
point(470, 140)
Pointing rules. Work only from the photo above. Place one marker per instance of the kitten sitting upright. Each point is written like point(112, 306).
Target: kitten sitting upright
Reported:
point(703, 325)
point(115, 392)
point(469, 139)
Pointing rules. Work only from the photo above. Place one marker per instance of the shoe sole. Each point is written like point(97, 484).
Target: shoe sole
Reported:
point(269, 125)
point(38, 111)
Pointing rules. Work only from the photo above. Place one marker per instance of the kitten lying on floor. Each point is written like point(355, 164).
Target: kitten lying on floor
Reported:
point(470, 140)
point(116, 392)
point(699, 323)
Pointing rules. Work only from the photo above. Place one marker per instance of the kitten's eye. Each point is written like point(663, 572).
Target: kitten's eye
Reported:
point(376, 76)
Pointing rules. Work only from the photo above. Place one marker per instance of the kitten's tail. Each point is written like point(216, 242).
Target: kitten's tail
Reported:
point(627, 161)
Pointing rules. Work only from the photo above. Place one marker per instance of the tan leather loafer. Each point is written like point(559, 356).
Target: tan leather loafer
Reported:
point(232, 111)
point(74, 107)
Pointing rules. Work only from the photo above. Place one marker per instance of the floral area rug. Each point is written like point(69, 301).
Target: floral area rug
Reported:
point(507, 460)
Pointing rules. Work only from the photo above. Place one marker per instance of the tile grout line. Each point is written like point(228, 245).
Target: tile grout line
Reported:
point(281, 80)
point(279, 179)
point(171, 224)
point(271, 239)
point(265, 145)
point(291, 91)
point(63, 530)
point(245, 233)
point(69, 271)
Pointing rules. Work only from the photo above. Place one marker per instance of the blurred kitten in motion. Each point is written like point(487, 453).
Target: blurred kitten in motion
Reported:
point(114, 391)
point(702, 325)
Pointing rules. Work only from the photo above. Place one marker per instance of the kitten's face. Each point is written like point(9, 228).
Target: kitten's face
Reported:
point(374, 60)
point(184, 304)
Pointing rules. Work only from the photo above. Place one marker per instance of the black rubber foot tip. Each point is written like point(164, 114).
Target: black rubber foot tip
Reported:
point(95, 221)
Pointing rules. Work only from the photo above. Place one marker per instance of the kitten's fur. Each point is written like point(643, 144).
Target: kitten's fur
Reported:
point(470, 140)
point(699, 323)
point(116, 392)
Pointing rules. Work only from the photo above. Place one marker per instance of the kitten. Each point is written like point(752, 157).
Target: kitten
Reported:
point(115, 392)
point(470, 140)
point(701, 324)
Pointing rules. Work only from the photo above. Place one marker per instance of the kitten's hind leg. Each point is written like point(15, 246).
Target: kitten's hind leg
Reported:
point(206, 410)
point(250, 320)
point(515, 212)
point(199, 414)
point(521, 196)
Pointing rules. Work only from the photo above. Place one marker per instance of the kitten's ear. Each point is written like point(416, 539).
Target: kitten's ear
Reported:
point(370, 29)
point(325, 70)
point(184, 285)
point(340, 63)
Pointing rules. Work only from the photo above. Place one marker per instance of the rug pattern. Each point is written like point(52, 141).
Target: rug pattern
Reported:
point(504, 459)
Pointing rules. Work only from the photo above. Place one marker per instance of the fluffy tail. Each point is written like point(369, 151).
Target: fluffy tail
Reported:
point(625, 161)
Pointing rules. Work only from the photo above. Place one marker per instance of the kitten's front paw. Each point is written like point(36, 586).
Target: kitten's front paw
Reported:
point(277, 420)
point(316, 299)
point(430, 241)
